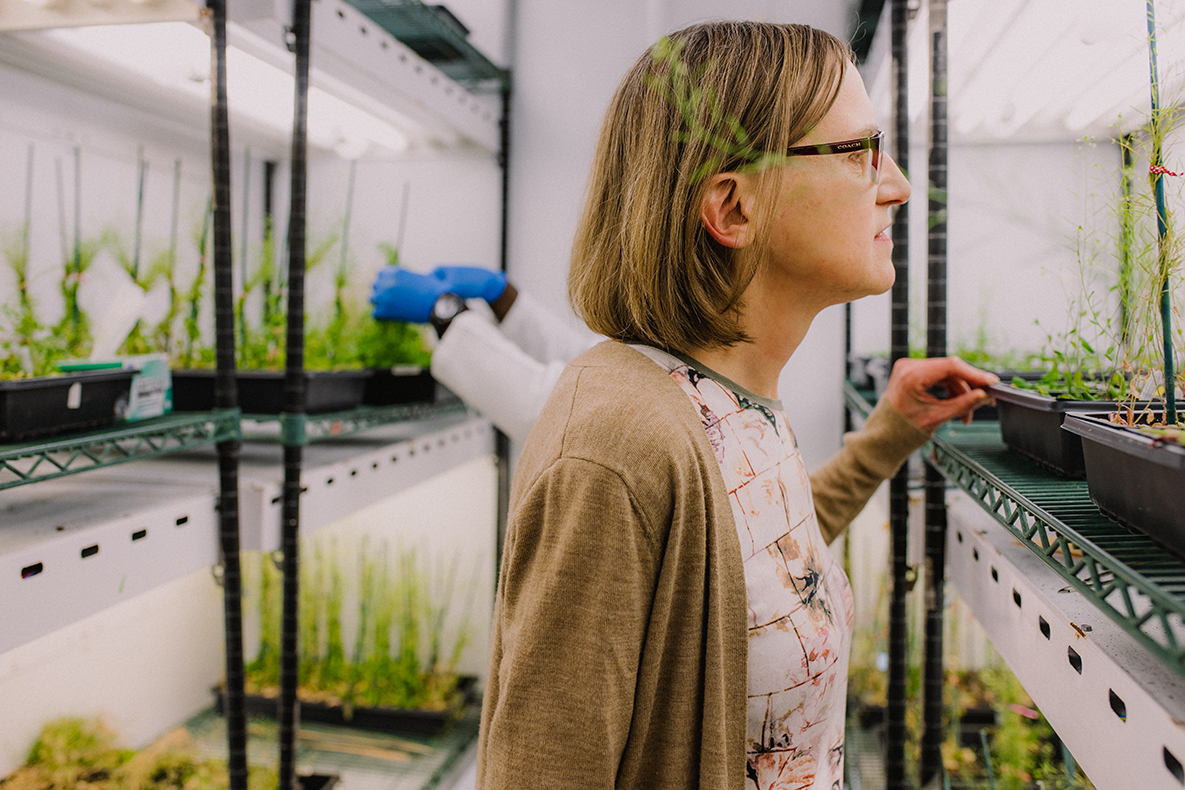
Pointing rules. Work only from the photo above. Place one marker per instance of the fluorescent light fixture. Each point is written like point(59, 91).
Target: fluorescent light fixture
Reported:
point(177, 56)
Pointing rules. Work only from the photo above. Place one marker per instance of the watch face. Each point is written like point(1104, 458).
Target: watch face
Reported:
point(447, 307)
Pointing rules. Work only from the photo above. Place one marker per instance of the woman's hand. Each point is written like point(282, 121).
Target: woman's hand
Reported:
point(912, 379)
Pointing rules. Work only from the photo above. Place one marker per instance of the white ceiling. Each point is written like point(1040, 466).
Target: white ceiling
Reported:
point(1047, 69)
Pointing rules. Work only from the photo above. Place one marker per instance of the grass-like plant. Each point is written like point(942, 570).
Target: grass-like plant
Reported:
point(24, 354)
point(81, 754)
point(407, 637)
point(74, 328)
point(193, 354)
point(140, 340)
point(264, 671)
point(1113, 346)
point(262, 334)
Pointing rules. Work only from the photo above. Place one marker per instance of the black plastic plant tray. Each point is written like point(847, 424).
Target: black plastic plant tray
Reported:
point(992, 412)
point(1031, 424)
point(399, 721)
point(49, 405)
point(262, 391)
point(317, 781)
point(1134, 479)
point(400, 384)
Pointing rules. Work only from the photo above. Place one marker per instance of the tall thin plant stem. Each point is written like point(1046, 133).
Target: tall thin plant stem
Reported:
point(243, 233)
point(402, 215)
point(142, 175)
point(1170, 397)
point(28, 199)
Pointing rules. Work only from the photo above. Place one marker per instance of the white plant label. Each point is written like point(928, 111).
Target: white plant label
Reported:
point(74, 395)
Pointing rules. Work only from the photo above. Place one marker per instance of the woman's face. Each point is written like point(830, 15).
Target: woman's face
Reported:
point(829, 240)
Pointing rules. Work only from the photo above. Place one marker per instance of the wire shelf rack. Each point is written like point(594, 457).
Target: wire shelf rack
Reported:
point(435, 35)
point(303, 429)
point(857, 400)
point(31, 462)
point(1126, 575)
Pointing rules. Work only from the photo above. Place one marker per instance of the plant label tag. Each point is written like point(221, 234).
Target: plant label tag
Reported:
point(74, 395)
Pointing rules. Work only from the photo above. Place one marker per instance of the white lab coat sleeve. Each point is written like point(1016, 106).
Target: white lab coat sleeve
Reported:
point(544, 335)
point(493, 375)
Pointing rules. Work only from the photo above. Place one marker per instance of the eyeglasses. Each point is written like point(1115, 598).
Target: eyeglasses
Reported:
point(871, 144)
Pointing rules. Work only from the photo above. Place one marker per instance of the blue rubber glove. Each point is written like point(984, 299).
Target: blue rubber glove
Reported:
point(471, 282)
point(400, 295)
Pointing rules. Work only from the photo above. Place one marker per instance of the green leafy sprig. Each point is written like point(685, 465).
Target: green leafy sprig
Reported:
point(703, 116)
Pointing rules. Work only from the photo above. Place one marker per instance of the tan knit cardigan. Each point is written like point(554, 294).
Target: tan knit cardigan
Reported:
point(619, 652)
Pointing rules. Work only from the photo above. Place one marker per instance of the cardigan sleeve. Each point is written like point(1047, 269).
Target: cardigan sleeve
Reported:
point(842, 486)
point(576, 589)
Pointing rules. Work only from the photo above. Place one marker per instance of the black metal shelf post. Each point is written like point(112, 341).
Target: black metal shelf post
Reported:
point(502, 441)
point(936, 344)
point(898, 486)
point(226, 398)
point(295, 397)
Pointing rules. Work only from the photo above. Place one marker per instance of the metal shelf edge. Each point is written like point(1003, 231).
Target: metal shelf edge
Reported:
point(21, 464)
point(1080, 669)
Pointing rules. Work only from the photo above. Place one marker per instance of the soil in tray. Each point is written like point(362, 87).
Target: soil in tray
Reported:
point(402, 721)
point(262, 391)
point(1134, 479)
point(49, 405)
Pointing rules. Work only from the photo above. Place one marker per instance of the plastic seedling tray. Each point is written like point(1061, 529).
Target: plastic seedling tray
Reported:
point(317, 781)
point(992, 413)
point(1134, 479)
point(49, 405)
point(400, 721)
point(262, 391)
point(1031, 424)
point(400, 384)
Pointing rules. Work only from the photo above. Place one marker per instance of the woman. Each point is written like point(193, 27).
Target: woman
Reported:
point(668, 615)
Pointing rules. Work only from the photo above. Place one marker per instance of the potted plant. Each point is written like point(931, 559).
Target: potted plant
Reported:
point(1091, 366)
point(1136, 458)
point(331, 384)
point(408, 635)
point(73, 753)
point(36, 398)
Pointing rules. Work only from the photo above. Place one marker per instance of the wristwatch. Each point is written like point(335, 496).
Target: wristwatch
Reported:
point(446, 307)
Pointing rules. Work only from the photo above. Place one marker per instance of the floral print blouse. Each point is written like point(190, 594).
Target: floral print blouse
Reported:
point(800, 603)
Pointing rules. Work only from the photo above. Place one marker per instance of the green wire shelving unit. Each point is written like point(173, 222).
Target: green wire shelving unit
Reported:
point(304, 429)
point(31, 462)
point(1127, 576)
point(436, 36)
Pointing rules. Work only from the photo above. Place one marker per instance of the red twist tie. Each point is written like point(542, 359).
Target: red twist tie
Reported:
point(1162, 170)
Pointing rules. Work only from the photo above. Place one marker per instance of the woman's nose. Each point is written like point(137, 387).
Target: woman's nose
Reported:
point(894, 186)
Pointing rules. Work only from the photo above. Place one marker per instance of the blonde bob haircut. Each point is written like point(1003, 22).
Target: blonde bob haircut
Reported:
point(644, 269)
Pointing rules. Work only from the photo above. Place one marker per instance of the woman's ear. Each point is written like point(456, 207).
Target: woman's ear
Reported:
point(725, 210)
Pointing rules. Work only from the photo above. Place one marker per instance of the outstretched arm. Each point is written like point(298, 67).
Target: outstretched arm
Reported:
point(903, 421)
